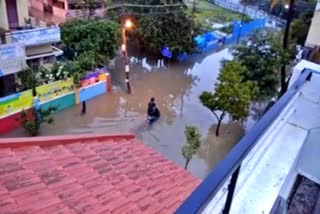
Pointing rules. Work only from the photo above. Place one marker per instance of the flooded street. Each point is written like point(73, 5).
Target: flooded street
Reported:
point(176, 88)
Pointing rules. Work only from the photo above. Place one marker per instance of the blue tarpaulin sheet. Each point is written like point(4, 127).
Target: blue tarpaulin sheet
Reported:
point(182, 56)
point(165, 51)
point(211, 41)
point(209, 37)
point(200, 41)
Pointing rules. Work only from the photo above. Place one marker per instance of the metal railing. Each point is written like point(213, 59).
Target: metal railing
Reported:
point(230, 166)
point(251, 11)
point(37, 23)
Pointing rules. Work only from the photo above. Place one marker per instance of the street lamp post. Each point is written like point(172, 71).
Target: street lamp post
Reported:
point(290, 16)
point(127, 24)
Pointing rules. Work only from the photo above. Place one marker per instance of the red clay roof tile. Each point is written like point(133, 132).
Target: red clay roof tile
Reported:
point(88, 174)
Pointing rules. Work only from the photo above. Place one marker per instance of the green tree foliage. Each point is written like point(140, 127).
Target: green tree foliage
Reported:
point(162, 25)
point(87, 61)
point(172, 30)
point(193, 138)
point(32, 122)
point(299, 31)
point(59, 71)
point(300, 27)
point(62, 70)
point(27, 80)
point(262, 57)
point(232, 94)
point(91, 37)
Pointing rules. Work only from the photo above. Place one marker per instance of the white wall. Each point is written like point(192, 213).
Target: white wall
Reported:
point(303, 64)
point(3, 15)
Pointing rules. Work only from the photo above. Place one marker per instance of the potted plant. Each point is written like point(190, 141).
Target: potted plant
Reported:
point(28, 23)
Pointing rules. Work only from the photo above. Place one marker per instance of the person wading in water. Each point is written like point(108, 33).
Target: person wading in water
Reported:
point(153, 111)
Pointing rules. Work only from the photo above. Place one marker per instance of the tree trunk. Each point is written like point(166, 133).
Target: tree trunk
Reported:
point(219, 123)
point(84, 107)
point(218, 128)
point(193, 20)
point(187, 163)
point(284, 84)
point(181, 106)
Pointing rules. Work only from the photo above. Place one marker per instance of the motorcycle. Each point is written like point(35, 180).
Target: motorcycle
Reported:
point(155, 116)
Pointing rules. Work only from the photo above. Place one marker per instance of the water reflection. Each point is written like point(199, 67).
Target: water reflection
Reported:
point(215, 148)
point(176, 88)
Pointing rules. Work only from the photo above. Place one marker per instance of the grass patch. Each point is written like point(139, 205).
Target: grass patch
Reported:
point(227, 29)
point(206, 11)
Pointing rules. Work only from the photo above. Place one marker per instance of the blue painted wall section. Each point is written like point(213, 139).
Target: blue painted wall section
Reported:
point(210, 41)
point(8, 122)
point(242, 30)
point(92, 91)
point(211, 46)
point(61, 103)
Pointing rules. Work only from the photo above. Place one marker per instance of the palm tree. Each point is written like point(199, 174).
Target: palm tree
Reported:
point(285, 42)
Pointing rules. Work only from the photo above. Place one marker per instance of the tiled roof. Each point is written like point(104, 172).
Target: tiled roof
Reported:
point(92, 174)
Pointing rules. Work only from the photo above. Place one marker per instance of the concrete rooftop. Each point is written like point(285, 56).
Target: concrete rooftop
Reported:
point(288, 148)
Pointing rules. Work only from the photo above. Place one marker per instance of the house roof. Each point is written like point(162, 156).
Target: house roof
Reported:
point(88, 174)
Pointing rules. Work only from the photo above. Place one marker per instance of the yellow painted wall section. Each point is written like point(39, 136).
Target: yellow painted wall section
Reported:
point(23, 13)
point(3, 15)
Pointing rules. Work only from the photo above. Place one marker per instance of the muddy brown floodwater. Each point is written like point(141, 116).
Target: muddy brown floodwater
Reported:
point(176, 88)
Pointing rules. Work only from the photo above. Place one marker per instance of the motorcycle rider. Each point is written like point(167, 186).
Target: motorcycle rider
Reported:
point(153, 111)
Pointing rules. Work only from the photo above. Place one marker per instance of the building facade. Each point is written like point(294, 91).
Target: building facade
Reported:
point(13, 14)
point(65, 9)
point(23, 41)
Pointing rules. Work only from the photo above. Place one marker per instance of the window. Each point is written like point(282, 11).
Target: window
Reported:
point(73, 6)
point(59, 4)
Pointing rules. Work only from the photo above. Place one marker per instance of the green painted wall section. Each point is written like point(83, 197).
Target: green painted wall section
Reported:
point(61, 103)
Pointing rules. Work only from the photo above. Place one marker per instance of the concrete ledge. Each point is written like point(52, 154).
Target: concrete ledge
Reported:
point(279, 207)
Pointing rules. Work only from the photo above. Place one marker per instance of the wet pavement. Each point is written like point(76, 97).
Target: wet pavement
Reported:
point(176, 88)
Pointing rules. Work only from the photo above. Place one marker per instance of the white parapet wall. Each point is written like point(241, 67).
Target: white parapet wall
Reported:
point(303, 64)
point(313, 38)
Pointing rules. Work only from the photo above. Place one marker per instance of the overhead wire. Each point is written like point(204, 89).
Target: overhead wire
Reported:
point(145, 6)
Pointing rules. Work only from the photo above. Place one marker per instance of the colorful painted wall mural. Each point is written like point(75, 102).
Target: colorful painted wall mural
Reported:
point(16, 102)
point(55, 89)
